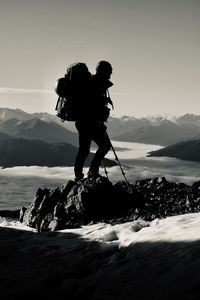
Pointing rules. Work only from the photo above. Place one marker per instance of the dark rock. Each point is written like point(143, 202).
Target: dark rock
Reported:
point(21, 213)
point(91, 201)
point(76, 204)
point(13, 214)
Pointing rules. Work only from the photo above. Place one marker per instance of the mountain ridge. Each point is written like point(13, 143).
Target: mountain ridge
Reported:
point(150, 130)
point(22, 152)
point(38, 129)
point(186, 150)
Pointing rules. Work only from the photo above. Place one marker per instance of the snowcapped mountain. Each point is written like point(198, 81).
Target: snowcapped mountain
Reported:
point(163, 133)
point(161, 130)
point(7, 113)
point(37, 129)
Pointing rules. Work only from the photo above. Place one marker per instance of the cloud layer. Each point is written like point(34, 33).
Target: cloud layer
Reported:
point(7, 90)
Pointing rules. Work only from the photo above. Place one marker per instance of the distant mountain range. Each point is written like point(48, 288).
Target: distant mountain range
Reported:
point(7, 114)
point(149, 130)
point(36, 139)
point(21, 152)
point(186, 150)
point(37, 129)
point(44, 127)
point(165, 132)
point(154, 130)
point(162, 131)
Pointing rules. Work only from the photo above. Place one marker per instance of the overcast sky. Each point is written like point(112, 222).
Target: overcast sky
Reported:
point(153, 45)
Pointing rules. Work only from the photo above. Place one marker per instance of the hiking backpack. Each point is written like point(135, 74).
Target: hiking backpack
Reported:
point(71, 89)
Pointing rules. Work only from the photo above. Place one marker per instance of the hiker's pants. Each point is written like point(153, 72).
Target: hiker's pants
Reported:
point(87, 133)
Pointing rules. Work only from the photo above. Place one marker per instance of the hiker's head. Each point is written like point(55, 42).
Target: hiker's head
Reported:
point(104, 69)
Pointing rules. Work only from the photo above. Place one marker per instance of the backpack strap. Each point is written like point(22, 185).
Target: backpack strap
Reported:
point(109, 99)
point(57, 103)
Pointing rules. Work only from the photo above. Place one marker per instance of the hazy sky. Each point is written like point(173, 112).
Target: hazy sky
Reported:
point(153, 45)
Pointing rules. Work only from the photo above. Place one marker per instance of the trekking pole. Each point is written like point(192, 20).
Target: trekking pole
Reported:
point(117, 159)
point(105, 170)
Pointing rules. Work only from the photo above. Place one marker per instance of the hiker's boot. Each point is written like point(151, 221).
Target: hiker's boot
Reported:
point(78, 177)
point(93, 176)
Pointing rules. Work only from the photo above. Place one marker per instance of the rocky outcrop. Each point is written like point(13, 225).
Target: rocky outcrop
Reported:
point(76, 204)
point(90, 201)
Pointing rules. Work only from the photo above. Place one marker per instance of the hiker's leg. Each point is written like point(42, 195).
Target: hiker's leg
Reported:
point(101, 138)
point(83, 152)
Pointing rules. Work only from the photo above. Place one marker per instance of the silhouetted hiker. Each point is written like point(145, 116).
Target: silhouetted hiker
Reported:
point(92, 127)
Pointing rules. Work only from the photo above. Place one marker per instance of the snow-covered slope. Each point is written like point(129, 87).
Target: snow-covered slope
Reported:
point(136, 260)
